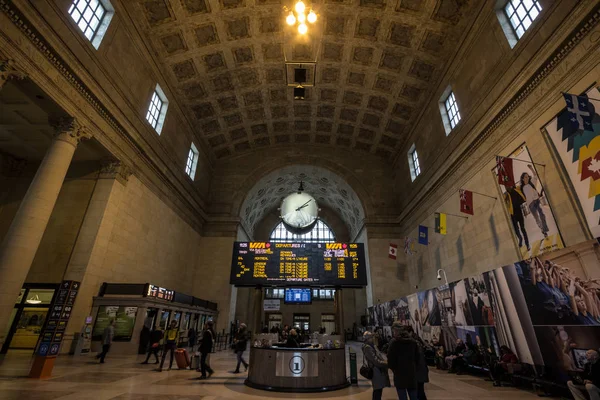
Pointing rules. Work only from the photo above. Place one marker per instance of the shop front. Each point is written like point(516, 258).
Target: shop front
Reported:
point(28, 317)
point(139, 308)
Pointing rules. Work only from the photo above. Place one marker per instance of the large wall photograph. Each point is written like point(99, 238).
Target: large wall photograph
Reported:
point(546, 309)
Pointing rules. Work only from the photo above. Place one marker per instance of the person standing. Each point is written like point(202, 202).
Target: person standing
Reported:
point(171, 338)
point(589, 380)
point(191, 339)
point(241, 341)
point(514, 198)
point(206, 347)
point(377, 362)
point(403, 355)
point(422, 368)
point(534, 202)
point(155, 337)
point(107, 338)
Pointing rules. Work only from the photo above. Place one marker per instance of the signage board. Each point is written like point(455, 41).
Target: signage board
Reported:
point(60, 312)
point(302, 264)
point(271, 305)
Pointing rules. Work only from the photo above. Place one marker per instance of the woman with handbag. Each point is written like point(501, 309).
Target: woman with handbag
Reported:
point(375, 366)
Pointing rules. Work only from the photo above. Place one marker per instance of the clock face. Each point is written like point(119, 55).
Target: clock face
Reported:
point(299, 210)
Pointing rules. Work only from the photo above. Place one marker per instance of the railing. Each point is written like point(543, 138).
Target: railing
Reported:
point(223, 341)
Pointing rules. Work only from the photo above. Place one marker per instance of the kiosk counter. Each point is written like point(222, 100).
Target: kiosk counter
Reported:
point(297, 369)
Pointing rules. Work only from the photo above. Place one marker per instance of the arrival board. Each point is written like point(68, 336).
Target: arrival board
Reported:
point(312, 264)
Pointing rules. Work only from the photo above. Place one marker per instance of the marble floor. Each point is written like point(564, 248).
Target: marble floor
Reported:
point(124, 378)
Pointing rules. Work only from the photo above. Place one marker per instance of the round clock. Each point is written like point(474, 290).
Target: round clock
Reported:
point(299, 210)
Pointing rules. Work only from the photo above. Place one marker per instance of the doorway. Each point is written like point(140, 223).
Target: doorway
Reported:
point(275, 321)
point(28, 317)
point(302, 322)
point(328, 323)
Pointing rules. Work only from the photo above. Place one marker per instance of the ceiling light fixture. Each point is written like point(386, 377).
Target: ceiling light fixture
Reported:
point(298, 17)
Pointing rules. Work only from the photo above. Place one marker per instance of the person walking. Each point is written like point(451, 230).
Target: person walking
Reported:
point(171, 339)
point(375, 360)
point(155, 337)
point(241, 342)
point(107, 338)
point(206, 347)
point(403, 355)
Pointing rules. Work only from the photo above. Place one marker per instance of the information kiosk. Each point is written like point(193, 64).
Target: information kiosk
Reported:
point(299, 268)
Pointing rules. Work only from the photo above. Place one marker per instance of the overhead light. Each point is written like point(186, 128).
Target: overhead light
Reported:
point(298, 17)
point(34, 300)
point(291, 20)
point(300, 7)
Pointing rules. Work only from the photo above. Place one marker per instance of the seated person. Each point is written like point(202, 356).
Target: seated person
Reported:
point(499, 367)
point(589, 379)
point(457, 353)
point(292, 340)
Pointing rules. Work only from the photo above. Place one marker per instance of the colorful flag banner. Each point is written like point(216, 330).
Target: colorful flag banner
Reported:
point(504, 169)
point(423, 235)
point(579, 154)
point(466, 201)
point(393, 251)
point(440, 223)
point(578, 108)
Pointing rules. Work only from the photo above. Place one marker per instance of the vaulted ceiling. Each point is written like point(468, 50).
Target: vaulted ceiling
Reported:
point(377, 62)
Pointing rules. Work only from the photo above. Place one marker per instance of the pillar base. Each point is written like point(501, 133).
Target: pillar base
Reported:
point(42, 367)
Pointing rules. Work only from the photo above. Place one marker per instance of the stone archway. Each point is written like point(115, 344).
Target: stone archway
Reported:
point(328, 188)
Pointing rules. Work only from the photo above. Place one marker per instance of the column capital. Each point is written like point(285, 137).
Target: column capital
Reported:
point(115, 169)
point(9, 70)
point(69, 129)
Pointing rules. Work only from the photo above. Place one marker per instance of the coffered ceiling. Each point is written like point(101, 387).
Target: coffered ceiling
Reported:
point(376, 64)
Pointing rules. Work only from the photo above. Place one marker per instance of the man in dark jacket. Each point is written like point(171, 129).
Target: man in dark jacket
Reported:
point(155, 337)
point(240, 344)
point(205, 349)
point(590, 378)
point(422, 368)
point(403, 356)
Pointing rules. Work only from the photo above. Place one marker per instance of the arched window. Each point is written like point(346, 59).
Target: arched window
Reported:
point(321, 233)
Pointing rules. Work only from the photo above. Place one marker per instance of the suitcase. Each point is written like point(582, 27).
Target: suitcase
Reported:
point(195, 362)
point(182, 358)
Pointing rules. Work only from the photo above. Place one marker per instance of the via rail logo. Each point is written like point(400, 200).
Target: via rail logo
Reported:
point(297, 365)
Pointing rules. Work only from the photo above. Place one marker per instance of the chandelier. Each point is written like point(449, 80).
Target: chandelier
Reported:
point(298, 16)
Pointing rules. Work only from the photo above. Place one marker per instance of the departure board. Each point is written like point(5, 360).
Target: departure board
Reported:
point(306, 264)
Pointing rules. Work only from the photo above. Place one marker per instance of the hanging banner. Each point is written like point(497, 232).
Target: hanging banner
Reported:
point(578, 149)
point(440, 223)
point(423, 235)
point(524, 198)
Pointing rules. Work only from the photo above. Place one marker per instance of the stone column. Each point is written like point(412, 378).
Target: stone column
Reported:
point(25, 234)
point(258, 299)
point(8, 71)
point(339, 312)
point(92, 241)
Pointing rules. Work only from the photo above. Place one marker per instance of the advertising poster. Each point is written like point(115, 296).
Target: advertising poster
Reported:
point(527, 205)
point(105, 314)
point(579, 154)
point(124, 323)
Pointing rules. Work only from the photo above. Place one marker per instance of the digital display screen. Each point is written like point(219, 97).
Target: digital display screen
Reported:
point(301, 264)
point(298, 296)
